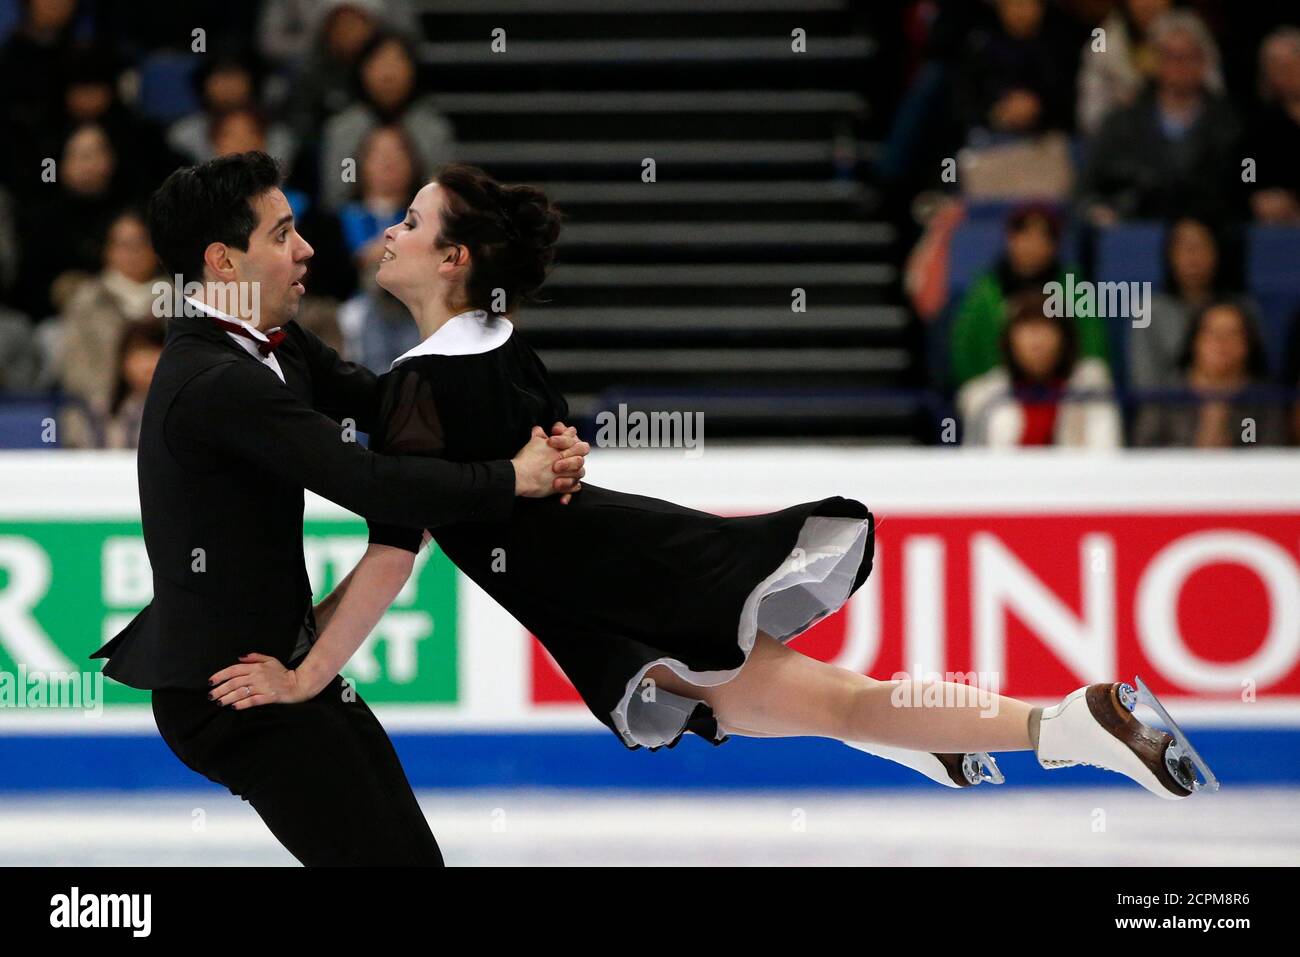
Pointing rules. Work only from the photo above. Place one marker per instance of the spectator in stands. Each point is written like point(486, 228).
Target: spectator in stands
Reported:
point(1291, 373)
point(286, 30)
point(21, 362)
point(1042, 393)
point(1111, 79)
point(8, 247)
point(226, 83)
point(90, 96)
point(289, 27)
point(332, 272)
point(373, 325)
point(319, 315)
point(389, 177)
point(141, 29)
point(1196, 274)
point(387, 96)
point(376, 327)
point(142, 344)
point(1224, 369)
point(238, 131)
point(62, 223)
point(1275, 130)
point(1030, 260)
point(289, 30)
point(1176, 150)
point(922, 131)
point(1017, 79)
point(31, 86)
point(323, 85)
point(95, 320)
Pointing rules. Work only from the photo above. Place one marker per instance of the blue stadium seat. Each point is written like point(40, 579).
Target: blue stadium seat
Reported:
point(11, 16)
point(166, 92)
point(982, 210)
point(22, 422)
point(976, 246)
point(1133, 252)
point(978, 242)
point(1272, 278)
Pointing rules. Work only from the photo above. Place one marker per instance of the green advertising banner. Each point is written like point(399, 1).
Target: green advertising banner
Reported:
point(66, 587)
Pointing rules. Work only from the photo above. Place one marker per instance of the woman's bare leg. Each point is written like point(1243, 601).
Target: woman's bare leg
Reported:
point(781, 692)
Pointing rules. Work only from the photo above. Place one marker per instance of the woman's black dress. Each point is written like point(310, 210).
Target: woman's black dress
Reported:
point(659, 583)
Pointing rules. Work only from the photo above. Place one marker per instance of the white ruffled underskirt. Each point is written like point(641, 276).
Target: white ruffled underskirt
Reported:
point(814, 581)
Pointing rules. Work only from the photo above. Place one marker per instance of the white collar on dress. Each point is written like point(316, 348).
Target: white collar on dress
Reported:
point(464, 335)
point(207, 310)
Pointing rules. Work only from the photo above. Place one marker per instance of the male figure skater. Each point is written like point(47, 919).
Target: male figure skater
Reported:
point(244, 411)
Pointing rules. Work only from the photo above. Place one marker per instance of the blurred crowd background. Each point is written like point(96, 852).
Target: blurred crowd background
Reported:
point(806, 219)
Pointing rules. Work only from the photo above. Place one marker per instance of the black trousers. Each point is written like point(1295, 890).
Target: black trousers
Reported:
point(322, 773)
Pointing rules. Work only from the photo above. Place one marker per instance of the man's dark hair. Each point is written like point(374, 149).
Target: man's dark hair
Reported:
point(209, 203)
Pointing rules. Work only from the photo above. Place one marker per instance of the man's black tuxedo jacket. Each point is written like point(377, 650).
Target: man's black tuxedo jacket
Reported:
point(225, 451)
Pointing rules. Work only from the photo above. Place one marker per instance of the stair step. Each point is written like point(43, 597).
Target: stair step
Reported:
point(700, 321)
point(677, 293)
point(793, 361)
point(674, 275)
point(785, 234)
point(889, 418)
point(764, 102)
point(629, 22)
point(662, 151)
point(668, 114)
point(749, 201)
point(645, 51)
point(596, 7)
point(713, 191)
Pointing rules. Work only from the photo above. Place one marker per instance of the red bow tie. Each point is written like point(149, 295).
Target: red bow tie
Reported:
point(265, 347)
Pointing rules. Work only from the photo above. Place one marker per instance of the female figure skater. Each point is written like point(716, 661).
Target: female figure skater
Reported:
point(687, 614)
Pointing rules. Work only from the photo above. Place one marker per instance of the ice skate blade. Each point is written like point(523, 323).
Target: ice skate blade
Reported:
point(975, 765)
point(967, 770)
point(1181, 752)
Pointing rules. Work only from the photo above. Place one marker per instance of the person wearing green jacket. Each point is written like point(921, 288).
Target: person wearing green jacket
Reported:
point(1031, 259)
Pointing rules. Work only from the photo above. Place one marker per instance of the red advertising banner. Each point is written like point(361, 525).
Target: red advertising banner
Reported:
point(1197, 604)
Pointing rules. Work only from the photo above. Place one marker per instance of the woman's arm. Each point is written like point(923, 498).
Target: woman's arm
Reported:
point(351, 612)
point(362, 598)
point(330, 603)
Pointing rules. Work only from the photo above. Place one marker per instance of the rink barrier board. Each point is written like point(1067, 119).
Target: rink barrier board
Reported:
point(596, 760)
point(475, 701)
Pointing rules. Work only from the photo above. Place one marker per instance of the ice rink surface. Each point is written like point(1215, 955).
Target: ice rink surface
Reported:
point(985, 826)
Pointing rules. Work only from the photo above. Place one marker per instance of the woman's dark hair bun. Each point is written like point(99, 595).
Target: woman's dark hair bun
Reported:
point(511, 232)
point(536, 221)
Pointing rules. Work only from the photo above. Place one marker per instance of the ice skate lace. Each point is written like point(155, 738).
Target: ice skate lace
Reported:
point(1062, 763)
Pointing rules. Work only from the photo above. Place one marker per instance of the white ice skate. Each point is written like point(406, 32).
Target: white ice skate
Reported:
point(1095, 725)
point(950, 770)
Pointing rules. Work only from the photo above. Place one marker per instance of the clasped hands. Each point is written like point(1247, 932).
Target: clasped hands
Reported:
point(550, 464)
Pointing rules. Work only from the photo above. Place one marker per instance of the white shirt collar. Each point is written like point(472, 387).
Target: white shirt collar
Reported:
point(466, 334)
point(207, 310)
